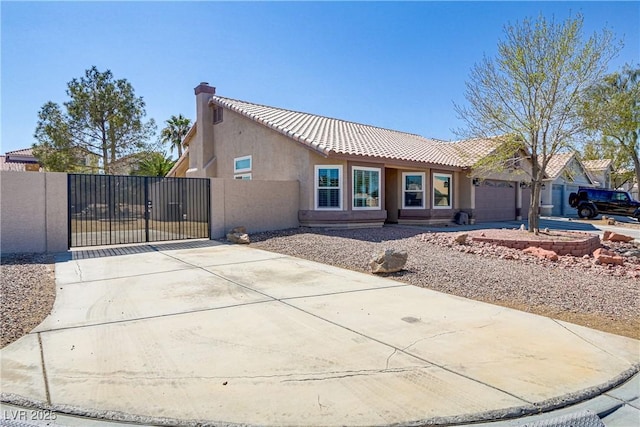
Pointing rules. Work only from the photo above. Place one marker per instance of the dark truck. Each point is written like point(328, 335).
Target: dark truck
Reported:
point(592, 201)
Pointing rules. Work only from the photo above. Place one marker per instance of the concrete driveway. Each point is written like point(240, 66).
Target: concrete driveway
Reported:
point(206, 332)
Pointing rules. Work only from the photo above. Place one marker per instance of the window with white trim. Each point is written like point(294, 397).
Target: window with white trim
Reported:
point(442, 191)
point(366, 188)
point(413, 190)
point(242, 167)
point(328, 187)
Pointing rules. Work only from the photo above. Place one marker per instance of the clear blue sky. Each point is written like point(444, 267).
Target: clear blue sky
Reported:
point(396, 65)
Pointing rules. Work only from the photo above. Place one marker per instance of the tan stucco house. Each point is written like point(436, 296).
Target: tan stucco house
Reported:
point(20, 160)
point(349, 174)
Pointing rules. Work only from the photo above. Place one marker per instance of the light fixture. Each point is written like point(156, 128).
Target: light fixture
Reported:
point(476, 182)
point(523, 184)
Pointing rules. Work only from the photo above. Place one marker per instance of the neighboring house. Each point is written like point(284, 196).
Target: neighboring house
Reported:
point(126, 165)
point(20, 160)
point(565, 174)
point(349, 174)
point(600, 171)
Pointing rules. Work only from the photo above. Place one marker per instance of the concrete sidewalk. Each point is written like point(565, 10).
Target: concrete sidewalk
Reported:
point(233, 335)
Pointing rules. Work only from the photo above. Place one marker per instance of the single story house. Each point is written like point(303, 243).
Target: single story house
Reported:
point(20, 160)
point(349, 174)
point(565, 174)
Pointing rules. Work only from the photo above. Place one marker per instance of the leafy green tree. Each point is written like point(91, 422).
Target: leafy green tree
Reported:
point(154, 164)
point(530, 92)
point(103, 119)
point(175, 131)
point(611, 110)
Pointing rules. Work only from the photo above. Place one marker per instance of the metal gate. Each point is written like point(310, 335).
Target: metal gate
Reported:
point(113, 209)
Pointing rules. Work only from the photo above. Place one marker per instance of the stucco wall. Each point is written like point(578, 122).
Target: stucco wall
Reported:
point(33, 214)
point(257, 205)
point(273, 156)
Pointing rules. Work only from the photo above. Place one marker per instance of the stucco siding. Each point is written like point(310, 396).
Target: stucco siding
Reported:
point(33, 217)
point(256, 205)
point(273, 156)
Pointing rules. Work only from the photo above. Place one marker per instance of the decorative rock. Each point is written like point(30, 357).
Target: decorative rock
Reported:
point(523, 228)
point(238, 235)
point(541, 253)
point(461, 239)
point(616, 237)
point(388, 261)
point(611, 221)
point(603, 256)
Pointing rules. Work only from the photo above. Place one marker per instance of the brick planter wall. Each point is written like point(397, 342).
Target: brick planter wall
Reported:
point(584, 244)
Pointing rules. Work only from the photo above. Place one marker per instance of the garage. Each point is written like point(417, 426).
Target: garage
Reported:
point(495, 201)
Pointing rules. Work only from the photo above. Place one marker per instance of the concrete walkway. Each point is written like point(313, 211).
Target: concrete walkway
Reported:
point(233, 335)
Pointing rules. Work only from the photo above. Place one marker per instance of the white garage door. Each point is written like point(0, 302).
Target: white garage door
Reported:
point(495, 201)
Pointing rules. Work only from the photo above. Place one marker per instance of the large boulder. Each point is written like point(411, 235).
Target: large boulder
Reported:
point(541, 253)
point(238, 235)
point(388, 261)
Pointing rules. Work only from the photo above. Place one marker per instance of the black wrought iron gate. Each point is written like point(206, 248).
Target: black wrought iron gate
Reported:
point(114, 209)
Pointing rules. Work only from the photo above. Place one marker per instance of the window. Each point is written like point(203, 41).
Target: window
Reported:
point(441, 191)
point(328, 187)
point(242, 164)
point(217, 114)
point(623, 197)
point(413, 190)
point(245, 176)
point(366, 188)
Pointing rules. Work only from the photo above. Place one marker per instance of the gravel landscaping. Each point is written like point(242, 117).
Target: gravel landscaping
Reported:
point(27, 293)
point(574, 289)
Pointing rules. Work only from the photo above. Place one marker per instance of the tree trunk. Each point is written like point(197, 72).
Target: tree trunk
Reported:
point(534, 208)
point(636, 164)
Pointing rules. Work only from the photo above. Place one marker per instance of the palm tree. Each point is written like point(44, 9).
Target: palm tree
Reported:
point(175, 131)
point(154, 164)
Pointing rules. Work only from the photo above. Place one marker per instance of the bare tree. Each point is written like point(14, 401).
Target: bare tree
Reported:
point(530, 92)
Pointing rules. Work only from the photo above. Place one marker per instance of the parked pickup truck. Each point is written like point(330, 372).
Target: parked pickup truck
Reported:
point(592, 201)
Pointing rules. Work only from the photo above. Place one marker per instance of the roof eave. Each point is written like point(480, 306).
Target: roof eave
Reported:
point(304, 141)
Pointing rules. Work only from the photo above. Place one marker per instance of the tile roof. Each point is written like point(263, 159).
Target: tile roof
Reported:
point(600, 164)
point(23, 152)
point(330, 136)
point(557, 164)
